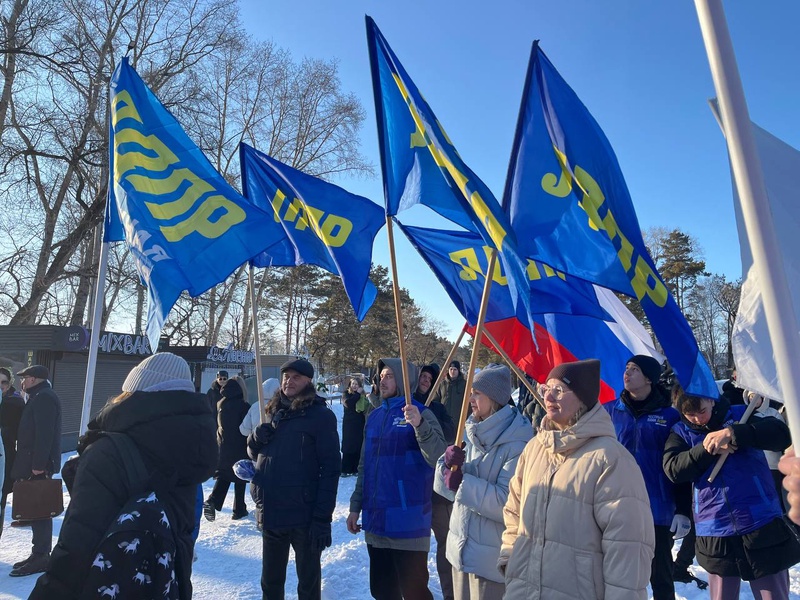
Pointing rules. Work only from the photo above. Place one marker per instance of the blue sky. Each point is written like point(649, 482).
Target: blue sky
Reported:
point(640, 67)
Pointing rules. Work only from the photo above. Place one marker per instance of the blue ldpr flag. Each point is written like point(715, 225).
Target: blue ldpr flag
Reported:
point(322, 224)
point(565, 192)
point(421, 166)
point(459, 260)
point(186, 228)
point(574, 319)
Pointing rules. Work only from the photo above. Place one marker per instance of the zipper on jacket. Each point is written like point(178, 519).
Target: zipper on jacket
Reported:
point(378, 455)
point(728, 504)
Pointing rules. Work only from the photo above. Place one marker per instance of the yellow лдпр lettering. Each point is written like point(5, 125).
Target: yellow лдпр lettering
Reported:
point(157, 160)
point(475, 200)
point(644, 280)
point(333, 230)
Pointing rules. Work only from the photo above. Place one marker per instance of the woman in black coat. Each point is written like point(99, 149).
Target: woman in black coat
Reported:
point(173, 429)
point(231, 410)
point(352, 428)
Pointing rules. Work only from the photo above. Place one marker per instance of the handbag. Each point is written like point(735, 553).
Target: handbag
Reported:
point(36, 499)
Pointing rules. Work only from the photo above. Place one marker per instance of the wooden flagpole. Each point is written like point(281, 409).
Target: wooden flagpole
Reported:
point(397, 312)
point(252, 285)
point(473, 359)
point(517, 371)
point(443, 371)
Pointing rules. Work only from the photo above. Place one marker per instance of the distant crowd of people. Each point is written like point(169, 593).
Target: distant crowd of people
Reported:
point(555, 496)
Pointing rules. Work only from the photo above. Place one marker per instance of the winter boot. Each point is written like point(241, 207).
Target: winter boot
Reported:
point(209, 512)
point(36, 564)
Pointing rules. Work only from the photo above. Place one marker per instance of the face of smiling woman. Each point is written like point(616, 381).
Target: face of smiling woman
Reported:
point(561, 403)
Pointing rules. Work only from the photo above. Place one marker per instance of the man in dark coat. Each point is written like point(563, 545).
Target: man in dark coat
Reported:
point(10, 416)
point(297, 475)
point(451, 391)
point(214, 393)
point(231, 410)
point(38, 455)
point(441, 507)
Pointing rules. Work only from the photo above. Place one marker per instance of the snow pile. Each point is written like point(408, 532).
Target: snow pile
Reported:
point(229, 557)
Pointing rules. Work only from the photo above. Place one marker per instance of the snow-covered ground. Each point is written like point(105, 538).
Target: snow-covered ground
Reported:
point(229, 558)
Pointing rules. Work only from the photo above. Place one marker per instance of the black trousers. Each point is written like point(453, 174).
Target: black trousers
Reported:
point(276, 559)
point(685, 556)
point(398, 574)
point(661, 573)
point(221, 487)
point(350, 462)
point(42, 538)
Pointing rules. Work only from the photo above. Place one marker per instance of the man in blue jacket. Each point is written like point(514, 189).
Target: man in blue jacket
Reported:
point(395, 481)
point(643, 418)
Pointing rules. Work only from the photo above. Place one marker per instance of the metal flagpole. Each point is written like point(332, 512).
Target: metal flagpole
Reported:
point(94, 337)
point(778, 308)
point(252, 282)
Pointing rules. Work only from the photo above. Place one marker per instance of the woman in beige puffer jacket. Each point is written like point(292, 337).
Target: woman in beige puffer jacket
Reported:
point(578, 521)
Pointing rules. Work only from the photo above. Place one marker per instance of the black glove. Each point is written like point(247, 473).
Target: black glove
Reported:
point(263, 433)
point(320, 533)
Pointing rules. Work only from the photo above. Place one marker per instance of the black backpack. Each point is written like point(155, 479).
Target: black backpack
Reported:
point(136, 557)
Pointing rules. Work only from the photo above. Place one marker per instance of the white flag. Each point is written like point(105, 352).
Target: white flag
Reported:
point(752, 348)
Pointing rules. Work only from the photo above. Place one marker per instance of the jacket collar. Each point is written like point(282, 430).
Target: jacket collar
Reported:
point(593, 424)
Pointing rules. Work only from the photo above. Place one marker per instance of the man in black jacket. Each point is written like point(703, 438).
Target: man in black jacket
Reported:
point(38, 455)
point(10, 415)
point(297, 475)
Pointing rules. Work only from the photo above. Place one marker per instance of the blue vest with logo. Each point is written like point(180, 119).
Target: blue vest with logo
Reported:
point(396, 498)
point(645, 437)
point(742, 497)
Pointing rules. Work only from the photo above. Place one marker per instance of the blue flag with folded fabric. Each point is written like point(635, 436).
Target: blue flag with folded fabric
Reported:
point(321, 223)
point(566, 193)
point(574, 319)
point(421, 166)
point(186, 228)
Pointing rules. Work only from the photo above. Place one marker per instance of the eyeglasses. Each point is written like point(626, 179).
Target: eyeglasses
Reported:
point(222, 379)
point(556, 391)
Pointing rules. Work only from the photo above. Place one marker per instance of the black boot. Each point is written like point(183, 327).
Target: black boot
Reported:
point(37, 563)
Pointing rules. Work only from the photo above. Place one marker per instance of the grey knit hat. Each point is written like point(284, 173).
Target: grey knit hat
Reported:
point(582, 377)
point(494, 380)
point(159, 368)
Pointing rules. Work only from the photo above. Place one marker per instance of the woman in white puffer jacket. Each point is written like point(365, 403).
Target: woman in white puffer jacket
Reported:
point(496, 435)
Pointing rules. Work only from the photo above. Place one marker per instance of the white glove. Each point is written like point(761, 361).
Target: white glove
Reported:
point(681, 526)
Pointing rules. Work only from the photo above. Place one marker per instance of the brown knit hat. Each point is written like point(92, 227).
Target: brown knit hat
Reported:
point(582, 377)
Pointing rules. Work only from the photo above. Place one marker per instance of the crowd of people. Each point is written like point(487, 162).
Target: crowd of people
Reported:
point(557, 496)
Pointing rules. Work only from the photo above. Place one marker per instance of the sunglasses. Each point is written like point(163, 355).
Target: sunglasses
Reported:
point(222, 379)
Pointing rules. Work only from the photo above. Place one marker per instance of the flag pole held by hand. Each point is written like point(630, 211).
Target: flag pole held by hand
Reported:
point(721, 460)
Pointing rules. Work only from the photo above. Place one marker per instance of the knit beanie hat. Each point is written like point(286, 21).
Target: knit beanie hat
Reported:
point(494, 380)
point(582, 377)
point(433, 369)
point(650, 367)
point(159, 368)
point(301, 365)
point(455, 364)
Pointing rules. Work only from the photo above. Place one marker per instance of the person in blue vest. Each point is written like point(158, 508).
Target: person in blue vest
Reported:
point(643, 417)
point(394, 486)
point(741, 534)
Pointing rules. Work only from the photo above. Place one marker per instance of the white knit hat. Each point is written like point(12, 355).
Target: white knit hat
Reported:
point(159, 368)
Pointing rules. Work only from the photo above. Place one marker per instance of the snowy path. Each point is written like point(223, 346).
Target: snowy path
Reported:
point(229, 563)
